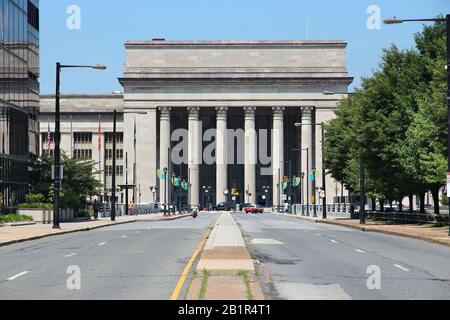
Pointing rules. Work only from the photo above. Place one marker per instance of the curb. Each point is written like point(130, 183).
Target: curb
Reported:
point(3, 244)
point(6, 243)
point(365, 229)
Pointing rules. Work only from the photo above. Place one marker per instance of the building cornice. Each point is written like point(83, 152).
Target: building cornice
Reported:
point(158, 44)
point(151, 82)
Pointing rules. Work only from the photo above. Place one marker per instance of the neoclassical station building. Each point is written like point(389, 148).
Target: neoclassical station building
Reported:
point(218, 115)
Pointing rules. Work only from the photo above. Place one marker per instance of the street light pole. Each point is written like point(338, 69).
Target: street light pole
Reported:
point(126, 184)
point(114, 151)
point(447, 21)
point(324, 180)
point(57, 152)
point(57, 173)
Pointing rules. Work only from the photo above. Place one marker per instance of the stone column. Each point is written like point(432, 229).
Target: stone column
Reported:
point(307, 156)
point(194, 158)
point(250, 155)
point(221, 154)
point(277, 153)
point(164, 145)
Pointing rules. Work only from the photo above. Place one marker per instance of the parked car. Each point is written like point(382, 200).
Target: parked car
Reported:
point(253, 209)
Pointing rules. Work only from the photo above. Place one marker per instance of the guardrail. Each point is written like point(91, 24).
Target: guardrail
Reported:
point(333, 210)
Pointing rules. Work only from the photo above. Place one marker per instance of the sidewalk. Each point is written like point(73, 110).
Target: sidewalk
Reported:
point(10, 235)
point(415, 231)
point(225, 270)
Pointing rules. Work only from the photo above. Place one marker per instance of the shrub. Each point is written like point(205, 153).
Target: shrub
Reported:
point(26, 205)
point(83, 214)
point(35, 198)
point(35, 201)
point(10, 218)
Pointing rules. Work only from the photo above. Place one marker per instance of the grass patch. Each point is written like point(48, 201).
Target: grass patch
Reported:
point(11, 218)
point(194, 276)
point(244, 275)
point(202, 294)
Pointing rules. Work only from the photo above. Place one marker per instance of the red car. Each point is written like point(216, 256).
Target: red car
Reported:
point(253, 209)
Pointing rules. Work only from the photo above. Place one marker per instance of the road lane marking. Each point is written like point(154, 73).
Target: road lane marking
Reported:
point(360, 251)
point(102, 243)
point(17, 276)
point(401, 267)
point(70, 255)
point(334, 241)
point(123, 237)
point(137, 232)
point(319, 235)
point(177, 290)
point(266, 241)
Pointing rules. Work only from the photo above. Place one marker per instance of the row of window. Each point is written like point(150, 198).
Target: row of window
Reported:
point(85, 137)
point(82, 154)
point(109, 154)
point(109, 170)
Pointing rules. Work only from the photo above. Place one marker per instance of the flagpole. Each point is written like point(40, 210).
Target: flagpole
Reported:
point(71, 136)
point(99, 147)
point(134, 164)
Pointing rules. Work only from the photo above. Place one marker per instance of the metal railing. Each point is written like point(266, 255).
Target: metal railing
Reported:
point(333, 210)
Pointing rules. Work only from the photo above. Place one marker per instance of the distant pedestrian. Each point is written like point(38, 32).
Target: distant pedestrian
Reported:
point(96, 208)
point(130, 208)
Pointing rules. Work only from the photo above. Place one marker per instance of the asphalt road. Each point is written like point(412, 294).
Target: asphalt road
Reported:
point(305, 260)
point(141, 260)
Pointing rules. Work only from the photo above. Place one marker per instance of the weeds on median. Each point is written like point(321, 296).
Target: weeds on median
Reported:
point(204, 285)
point(244, 275)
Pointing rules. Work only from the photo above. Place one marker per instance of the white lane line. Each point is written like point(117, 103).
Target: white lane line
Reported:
point(334, 241)
point(70, 255)
point(102, 243)
point(360, 251)
point(123, 237)
point(137, 232)
point(319, 235)
point(401, 267)
point(17, 276)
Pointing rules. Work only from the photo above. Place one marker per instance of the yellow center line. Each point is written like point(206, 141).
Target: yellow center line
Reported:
point(177, 290)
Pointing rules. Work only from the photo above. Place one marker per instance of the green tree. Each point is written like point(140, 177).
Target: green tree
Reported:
point(78, 181)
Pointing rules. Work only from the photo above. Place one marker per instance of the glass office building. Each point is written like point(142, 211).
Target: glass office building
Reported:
point(19, 97)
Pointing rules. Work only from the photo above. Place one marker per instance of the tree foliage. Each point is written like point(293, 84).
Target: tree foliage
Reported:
point(397, 123)
point(78, 181)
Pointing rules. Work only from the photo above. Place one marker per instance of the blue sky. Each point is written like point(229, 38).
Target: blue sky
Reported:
point(107, 24)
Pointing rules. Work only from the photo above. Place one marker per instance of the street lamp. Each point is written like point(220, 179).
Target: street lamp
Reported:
point(447, 20)
point(57, 182)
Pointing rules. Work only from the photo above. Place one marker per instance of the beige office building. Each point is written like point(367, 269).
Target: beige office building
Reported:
point(217, 115)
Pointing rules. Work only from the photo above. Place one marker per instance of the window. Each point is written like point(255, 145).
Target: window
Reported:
point(109, 170)
point(82, 137)
point(109, 154)
point(109, 137)
point(82, 154)
point(33, 15)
